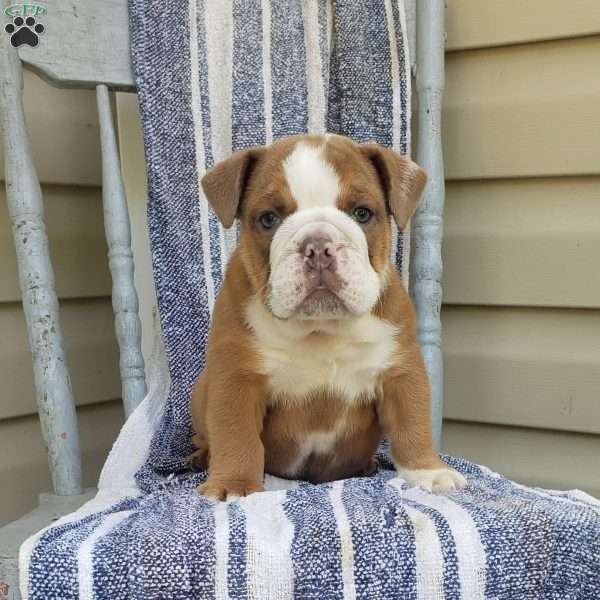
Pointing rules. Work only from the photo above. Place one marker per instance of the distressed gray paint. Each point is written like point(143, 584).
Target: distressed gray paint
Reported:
point(427, 224)
point(120, 260)
point(54, 396)
point(86, 43)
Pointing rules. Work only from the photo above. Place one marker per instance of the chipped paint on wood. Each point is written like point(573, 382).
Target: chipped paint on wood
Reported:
point(427, 224)
point(86, 43)
point(36, 276)
point(120, 257)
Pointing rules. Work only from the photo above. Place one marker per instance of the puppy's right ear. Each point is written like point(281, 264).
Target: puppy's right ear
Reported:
point(224, 184)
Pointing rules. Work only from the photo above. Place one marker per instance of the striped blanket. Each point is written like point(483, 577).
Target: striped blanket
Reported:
point(213, 77)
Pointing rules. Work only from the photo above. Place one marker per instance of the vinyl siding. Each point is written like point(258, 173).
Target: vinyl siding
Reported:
point(65, 143)
point(477, 24)
point(522, 238)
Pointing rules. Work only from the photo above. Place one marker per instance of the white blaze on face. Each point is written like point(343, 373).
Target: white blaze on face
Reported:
point(315, 186)
point(312, 180)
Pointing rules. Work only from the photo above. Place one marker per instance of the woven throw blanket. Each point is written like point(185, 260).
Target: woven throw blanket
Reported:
point(213, 77)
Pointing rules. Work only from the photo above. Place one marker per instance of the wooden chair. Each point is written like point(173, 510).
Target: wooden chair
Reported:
point(97, 56)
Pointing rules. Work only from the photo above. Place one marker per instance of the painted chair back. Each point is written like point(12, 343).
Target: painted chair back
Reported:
point(86, 45)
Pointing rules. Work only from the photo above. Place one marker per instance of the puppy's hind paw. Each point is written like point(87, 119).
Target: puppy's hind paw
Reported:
point(439, 481)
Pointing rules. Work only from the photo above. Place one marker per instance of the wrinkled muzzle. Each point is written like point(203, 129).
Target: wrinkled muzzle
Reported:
point(320, 267)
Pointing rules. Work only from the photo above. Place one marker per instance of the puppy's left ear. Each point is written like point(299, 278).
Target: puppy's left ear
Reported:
point(402, 180)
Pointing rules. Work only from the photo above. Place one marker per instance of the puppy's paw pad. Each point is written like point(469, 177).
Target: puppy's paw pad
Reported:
point(229, 491)
point(438, 481)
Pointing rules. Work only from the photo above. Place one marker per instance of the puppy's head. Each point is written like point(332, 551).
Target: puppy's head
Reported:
point(315, 220)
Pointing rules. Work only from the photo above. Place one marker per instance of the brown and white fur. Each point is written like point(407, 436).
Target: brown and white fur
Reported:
point(312, 355)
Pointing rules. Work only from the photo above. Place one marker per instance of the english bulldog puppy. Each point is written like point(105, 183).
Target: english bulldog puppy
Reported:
point(313, 355)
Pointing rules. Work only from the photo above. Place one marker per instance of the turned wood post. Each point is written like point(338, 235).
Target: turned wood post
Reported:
point(120, 259)
point(427, 224)
point(54, 395)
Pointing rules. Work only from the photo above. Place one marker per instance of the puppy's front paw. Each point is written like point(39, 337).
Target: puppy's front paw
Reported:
point(228, 490)
point(443, 480)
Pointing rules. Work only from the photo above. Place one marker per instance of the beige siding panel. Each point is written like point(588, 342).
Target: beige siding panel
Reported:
point(92, 354)
point(480, 23)
point(23, 461)
point(532, 242)
point(523, 111)
point(536, 367)
point(549, 459)
point(75, 228)
point(64, 133)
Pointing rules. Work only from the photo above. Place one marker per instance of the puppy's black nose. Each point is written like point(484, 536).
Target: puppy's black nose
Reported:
point(319, 253)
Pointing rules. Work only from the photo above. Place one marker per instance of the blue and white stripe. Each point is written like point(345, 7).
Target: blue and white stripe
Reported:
point(215, 77)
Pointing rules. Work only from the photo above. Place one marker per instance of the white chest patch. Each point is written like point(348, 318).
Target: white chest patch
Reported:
point(346, 359)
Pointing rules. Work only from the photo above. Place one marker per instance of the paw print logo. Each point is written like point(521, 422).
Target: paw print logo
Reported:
point(24, 31)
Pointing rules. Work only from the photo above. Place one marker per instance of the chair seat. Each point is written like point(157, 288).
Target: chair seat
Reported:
point(50, 509)
point(371, 538)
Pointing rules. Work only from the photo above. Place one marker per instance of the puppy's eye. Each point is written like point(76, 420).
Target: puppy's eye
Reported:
point(268, 220)
point(362, 215)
